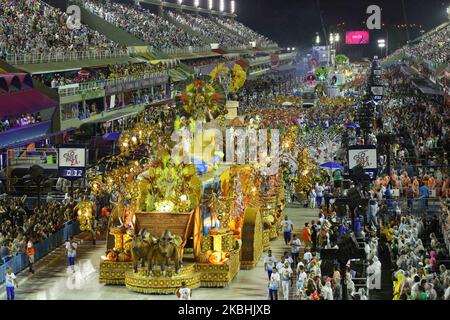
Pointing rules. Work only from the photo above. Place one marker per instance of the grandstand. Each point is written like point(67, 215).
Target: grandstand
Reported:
point(427, 61)
point(123, 59)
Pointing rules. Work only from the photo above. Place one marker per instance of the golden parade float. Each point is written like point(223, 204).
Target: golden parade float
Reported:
point(180, 213)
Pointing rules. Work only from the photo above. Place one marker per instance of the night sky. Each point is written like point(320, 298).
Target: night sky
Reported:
point(295, 22)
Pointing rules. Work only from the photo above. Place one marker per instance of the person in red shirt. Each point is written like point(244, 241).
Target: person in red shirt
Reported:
point(105, 212)
point(30, 252)
point(306, 235)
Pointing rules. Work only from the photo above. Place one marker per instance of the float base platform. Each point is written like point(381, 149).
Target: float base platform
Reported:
point(143, 282)
point(219, 275)
point(114, 272)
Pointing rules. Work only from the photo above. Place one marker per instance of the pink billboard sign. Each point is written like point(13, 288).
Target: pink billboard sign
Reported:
point(357, 37)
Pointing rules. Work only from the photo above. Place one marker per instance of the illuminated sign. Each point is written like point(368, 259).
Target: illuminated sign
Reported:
point(71, 162)
point(357, 37)
point(366, 156)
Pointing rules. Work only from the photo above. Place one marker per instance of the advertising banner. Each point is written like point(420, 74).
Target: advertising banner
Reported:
point(357, 37)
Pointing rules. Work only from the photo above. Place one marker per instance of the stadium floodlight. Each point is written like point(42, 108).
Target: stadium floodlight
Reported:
point(334, 37)
point(448, 12)
point(288, 49)
point(233, 6)
point(337, 38)
point(196, 3)
point(210, 4)
point(222, 6)
point(317, 38)
point(381, 43)
point(180, 1)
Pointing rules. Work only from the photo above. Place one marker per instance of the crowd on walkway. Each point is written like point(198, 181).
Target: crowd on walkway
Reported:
point(416, 254)
point(301, 274)
point(32, 26)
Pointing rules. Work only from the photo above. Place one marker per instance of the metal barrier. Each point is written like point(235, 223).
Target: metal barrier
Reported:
point(172, 51)
point(20, 261)
point(47, 57)
point(79, 88)
point(259, 60)
point(20, 156)
point(236, 48)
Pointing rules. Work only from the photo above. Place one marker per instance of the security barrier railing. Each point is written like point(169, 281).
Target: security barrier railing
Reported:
point(78, 88)
point(259, 60)
point(187, 50)
point(20, 262)
point(242, 47)
point(20, 156)
point(48, 57)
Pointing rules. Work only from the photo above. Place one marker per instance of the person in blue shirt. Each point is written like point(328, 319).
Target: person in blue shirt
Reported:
point(424, 193)
point(388, 196)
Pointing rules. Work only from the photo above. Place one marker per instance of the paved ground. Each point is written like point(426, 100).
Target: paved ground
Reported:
point(53, 280)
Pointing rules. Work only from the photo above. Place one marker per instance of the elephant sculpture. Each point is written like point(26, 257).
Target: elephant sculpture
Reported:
point(167, 249)
point(147, 249)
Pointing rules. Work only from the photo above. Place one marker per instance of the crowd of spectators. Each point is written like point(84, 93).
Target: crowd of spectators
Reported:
point(313, 277)
point(420, 118)
point(245, 32)
point(260, 93)
point(19, 224)
point(22, 121)
point(433, 47)
point(143, 24)
point(209, 30)
point(32, 26)
point(415, 252)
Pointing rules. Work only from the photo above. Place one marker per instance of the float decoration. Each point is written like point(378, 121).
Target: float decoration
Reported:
point(203, 100)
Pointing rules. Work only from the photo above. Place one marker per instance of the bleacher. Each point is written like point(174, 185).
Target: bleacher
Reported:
point(107, 39)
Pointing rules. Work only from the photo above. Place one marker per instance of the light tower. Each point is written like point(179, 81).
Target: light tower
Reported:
point(317, 39)
point(381, 45)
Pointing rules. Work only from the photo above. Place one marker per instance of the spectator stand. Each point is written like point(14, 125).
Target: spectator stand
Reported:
point(20, 262)
point(25, 112)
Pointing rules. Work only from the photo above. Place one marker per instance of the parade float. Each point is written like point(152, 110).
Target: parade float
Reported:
point(180, 212)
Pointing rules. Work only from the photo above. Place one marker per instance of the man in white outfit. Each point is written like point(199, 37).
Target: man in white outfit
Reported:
point(327, 291)
point(286, 277)
point(374, 272)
